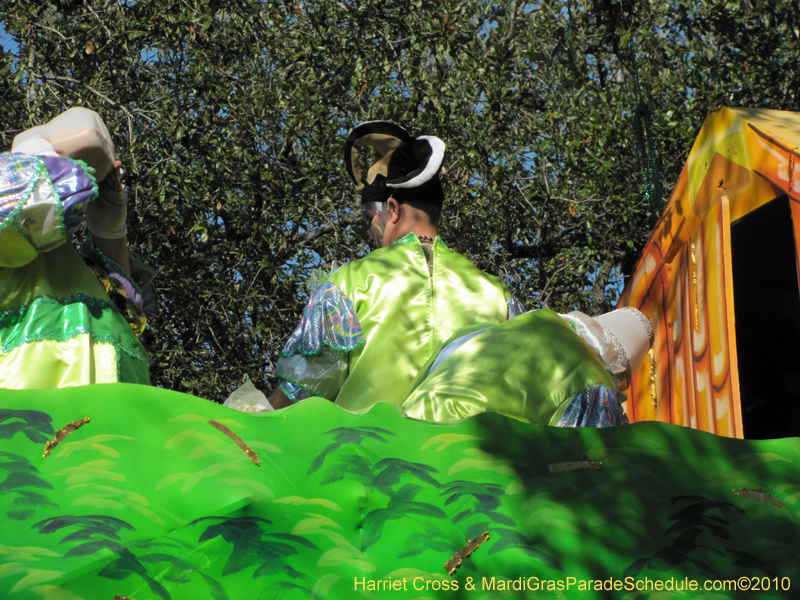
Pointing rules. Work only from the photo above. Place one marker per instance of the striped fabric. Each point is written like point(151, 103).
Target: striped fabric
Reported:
point(19, 174)
point(329, 321)
point(596, 406)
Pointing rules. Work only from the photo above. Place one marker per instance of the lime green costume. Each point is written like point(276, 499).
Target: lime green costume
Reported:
point(58, 327)
point(403, 316)
point(534, 368)
point(373, 331)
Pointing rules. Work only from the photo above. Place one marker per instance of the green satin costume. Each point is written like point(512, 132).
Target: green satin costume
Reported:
point(528, 368)
point(58, 327)
point(406, 314)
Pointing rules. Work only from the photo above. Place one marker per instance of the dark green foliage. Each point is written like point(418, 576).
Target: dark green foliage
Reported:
point(401, 504)
point(90, 526)
point(22, 474)
point(486, 494)
point(217, 591)
point(102, 531)
point(229, 118)
point(431, 538)
point(127, 564)
point(394, 468)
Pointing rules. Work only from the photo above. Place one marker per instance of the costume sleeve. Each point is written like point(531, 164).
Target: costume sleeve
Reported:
point(597, 406)
point(603, 342)
point(314, 361)
point(600, 339)
point(42, 199)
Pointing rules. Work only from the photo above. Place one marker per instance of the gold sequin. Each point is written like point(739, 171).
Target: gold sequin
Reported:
point(452, 565)
point(61, 434)
point(758, 495)
point(694, 284)
point(653, 394)
point(251, 455)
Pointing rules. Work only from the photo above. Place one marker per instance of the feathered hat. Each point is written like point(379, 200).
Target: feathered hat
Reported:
point(407, 167)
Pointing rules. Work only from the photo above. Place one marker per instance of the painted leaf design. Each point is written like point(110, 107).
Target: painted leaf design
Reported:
point(217, 591)
point(37, 426)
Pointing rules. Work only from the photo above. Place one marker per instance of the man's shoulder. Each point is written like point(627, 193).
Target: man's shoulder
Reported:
point(459, 262)
point(376, 259)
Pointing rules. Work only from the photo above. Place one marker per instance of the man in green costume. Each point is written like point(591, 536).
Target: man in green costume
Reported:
point(372, 330)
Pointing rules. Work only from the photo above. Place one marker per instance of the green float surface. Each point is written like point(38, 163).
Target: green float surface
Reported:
point(149, 501)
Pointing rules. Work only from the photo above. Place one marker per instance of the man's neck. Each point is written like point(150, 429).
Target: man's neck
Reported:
point(417, 229)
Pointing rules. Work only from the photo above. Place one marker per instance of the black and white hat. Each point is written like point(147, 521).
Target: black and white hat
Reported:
point(407, 167)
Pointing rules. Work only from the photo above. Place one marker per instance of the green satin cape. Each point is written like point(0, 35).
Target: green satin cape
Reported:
point(406, 314)
point(527, 368)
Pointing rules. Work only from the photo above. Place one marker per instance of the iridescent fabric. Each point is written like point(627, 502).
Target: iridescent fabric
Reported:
point(329, 321)
point(19, 173)
point(41, 202)
point(314, 360)
point(515, 308)
point(596, 406)
point(75, 185)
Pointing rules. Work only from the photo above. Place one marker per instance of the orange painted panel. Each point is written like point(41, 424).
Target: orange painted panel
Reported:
point(742, 159)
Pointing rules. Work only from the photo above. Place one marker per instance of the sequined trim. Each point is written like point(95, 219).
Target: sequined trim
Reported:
point(74, 332)
point(71, 187)
point(69, 217)
point(329, 321)
point(410, 237)
point(644, 320)
point(19, 174)
point(294, 391)
point(515, 308)
point(59, 206)
point(90, 171)
point(9, 321)
point(63, 301)
point(596, 406)
point(623, 356)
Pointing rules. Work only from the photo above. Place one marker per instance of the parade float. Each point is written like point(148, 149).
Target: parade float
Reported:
point(129, 491)
point(719, 281)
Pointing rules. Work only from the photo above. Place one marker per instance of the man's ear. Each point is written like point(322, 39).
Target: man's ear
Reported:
point(394, 210)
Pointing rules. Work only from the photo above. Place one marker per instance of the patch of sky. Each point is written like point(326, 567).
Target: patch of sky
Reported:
point(7, 41)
